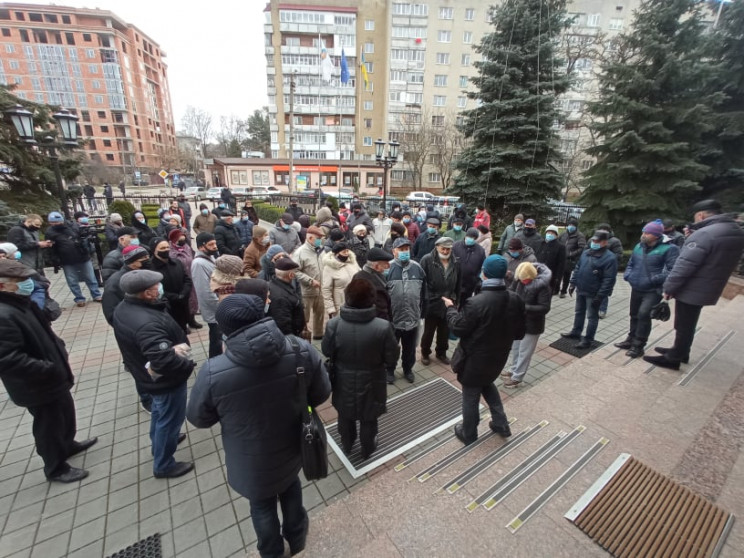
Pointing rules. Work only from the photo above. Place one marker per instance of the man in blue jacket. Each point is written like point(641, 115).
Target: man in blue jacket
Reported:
point(594, 277)
point(648, 268)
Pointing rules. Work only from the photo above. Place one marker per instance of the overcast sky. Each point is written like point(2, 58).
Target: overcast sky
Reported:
point(215, 51)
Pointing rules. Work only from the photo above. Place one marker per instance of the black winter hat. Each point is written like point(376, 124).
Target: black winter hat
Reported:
point(203, 237)
point(360, 293)
point(238, 311)
point(257, 287)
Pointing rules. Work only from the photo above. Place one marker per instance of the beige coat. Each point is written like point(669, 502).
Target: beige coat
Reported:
point(311, 269)
point(336, 276)
point(486, 240)
point(204, 223)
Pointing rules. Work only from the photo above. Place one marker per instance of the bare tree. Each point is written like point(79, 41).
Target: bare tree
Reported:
point(414, 129)
point(231, 135)
point(198, 123)
point(447, 142)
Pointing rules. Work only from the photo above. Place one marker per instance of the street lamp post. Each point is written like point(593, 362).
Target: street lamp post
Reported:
point(23, 121)
point(386, 162)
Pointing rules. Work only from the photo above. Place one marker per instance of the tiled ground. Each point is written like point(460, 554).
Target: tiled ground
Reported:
point(120, 502)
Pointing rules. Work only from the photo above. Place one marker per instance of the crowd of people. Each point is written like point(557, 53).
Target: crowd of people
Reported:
point(371, 288)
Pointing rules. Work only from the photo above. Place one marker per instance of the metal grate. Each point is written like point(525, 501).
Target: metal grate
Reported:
point(566, 345)
point(146, 548)
point(411, 418)
point(635, 511)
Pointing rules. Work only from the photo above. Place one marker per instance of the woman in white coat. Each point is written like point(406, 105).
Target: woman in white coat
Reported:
point(339, 268)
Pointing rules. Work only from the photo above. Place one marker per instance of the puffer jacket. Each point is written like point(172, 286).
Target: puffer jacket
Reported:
point(362, 347)
point(251, 390)
point(407, 288)
point(575, 244)
point(596, 273)
point(145, 332)
point(440, 282)
point(311, 268)
point(648, 267)
point(245, 231)
point(288, 239)
point(252, 258)
point(531, 238)
point(68, 248)
point(360, 249)
point(359, 219)
point(336, 276)
point(537, 297)
point(27, 242)
point(228, 239)
point(33, 360)
point(470, 259)
point(528, 255)
point(424, 244)
point(708, 257)
point(112, 263)
point(487, 325)
point(286, 306)
point(553, 254)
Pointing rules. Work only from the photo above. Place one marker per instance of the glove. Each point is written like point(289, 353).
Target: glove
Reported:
point(56, 269)
point(596, 302)
point(571, 290)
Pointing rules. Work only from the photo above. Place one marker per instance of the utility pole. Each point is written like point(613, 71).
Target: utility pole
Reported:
point(291, 133)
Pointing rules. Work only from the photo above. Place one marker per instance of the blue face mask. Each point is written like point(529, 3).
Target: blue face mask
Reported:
point(404, 256)
point(515, 254)
point(386, 272)
point(571, 228)
point(83, 220)
point(285, 227)
point(457, 227)
point(134, 242)
point(26, 287)
point(161, 292)
point(431, 230)
point(406, 220)
point(221, 205)
point(317, 243)
point(469, 241)
point(595, 245)
point(17, 255)
point(549, 237)
point(205, 212)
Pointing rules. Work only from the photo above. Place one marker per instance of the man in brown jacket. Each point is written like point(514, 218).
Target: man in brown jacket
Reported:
point(206, 221)
point(254, 251)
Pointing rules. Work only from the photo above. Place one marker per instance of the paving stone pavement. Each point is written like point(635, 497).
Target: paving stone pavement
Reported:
point(197, 515)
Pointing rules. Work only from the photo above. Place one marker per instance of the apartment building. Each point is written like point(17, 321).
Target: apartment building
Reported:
point(105, 70)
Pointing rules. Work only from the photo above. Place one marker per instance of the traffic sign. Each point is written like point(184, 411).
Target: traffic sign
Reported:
point(163, 174)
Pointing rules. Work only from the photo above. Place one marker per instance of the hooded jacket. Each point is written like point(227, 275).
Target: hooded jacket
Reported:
point(531, 238)
point(286, 307)
point(537, 297)
point(506, 236)
point(252, 258)
point(362, 347)
point(205, 223)
point(288, 239)
point(336, 276)
point(527, 255)
point(324, 219)
point(251, 390)
point(245, 230)
point(407, 288)
point(112, 263)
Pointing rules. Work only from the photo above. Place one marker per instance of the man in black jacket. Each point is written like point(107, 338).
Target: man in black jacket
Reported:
point(133, 257)
point(286, 301)
point(470, 255)
point(227, 236)
point(575, 243)
point(425, 242)
point(294, 210)
point(378, 262)
point(25, 236)
point(156, 352)
point(113, 261)
point(36, 373)
point(553, 254)
point(487, 326)
point(251, 390)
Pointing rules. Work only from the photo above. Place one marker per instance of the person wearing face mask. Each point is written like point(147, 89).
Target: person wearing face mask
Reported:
point(256, 249)
point(25, 235)
point(40, 294)
point(294, 209)
point(165, 225)
point(516, 254)
point(310, 274)
point(181, 250)
point(285, 298)
point(110, 229)
point(382, 226)
point(553, 254)
point(443, 280)
point(177, 284)
point(144, 232)
point(133, 257)
point(339, 268)
point(411, 226)
point(358, 217)
point(485, 239)
point(375, 271)
point(594, 278)
point(397, 230)
point(175, 209)
point(206, 221)
point(202, 268)
point(284, 234)
point(509, 232)
point(227, 235)
point(458, 230)
point(425, 243)
point(268, 269)
point(156, 353)
point(217, 211)
point(575, 243)
point(470, 257)
point(36, 373)
point(407, 287)
point(532, 284)
point(72, 253)
point(460, 215)
point(530, 236)
point(615, 246)
point(112, 262)
point(482, 217)
point(359, 244)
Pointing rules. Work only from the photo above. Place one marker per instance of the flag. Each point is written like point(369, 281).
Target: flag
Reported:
point(326, 64)
point(344, 68)
point(365, 75)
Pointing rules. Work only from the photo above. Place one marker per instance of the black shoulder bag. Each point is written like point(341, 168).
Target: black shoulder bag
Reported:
point(313, 440)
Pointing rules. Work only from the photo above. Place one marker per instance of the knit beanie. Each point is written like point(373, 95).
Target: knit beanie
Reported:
point(237, 311)
point(229, 265)
point(133, 253)
point(515, 244)
point(525, 270)
point(655, 228)
point(175, 234)
point(273, 250)
point(494, 267)
point(203, 237)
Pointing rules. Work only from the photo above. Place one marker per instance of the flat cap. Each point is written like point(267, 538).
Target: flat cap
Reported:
point(121, 231)
point(378, 255)
point(600, 235)
point(14, 269)
point(432, 221)
point(706, 205)
point(286, 264)
point(445, 242)
point(401, 242)
point(139, 280)
point(317, 231)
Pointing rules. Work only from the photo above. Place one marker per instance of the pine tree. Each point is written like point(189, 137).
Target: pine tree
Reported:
point(650, 117)
point(511, 142)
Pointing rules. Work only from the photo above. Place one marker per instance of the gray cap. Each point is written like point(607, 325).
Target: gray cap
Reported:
point(445, 242)
point(401, 242)
point(139, 280)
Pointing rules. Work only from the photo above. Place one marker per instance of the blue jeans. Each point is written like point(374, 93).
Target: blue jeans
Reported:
point(266, 522)
point(82, 272)
point(583, 310)
point(605, 304)
point(167, 416)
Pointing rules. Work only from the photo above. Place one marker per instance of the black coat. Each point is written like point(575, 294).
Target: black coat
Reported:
point(33, 360)
point(286, 307)
point(531, 239)
point(487, 324)
point(68, 248)
point(112, 295)
point(440, 282)
point(471, 260)
point(144, 232)
point(575, 244)
point(251, 390)
point(145, 332)
point(228, 239)
point(537, 297)
point(177, 287)
point(423, 245)
point(553, 254)
point(112, 263)
point(361, 347)
point(383, 305)
point(295, 212)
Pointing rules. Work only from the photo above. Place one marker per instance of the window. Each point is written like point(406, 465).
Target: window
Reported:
point(18, 80)
point(369, 48)
point(469, 14)
point(592, 20)
point(86, 37)
point(444, 36)
point(369, 24)
point(446, 13)
point(435, 177)
point(70, 38)
point(109, 156)
point(370, 67)
point(85, 115)
point(90, 53)
point(368, 105)
point(616, 24)
point(440, 100)
point(467, 37)
point(107, 143)
point(24, 36)
point(66, 19)
point(9, 48)
point(367, 140)
point(104, 129)
point(96, 84)
point(6, 32)
point(35, 17)
point(92, 144)
point(440, 80)
point(367, 122)
point(437, 120)
point(443, 58)
point(51, 18)
point(14, 64)
point(461, 101)
point(463, 82)
point(416, 77)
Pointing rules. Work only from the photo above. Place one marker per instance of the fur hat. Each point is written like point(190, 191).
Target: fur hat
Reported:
point(360, 293)
point(237, 311)
point(525, 270)
point(494, 267)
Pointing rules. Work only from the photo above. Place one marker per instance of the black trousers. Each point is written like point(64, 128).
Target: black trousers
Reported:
point(367, 431)
point(434, 324)
point(641, 304)
point(566, 279)
point(685, 321)
point(215, 340)
point(54, 430)
point(471, 417)
point(407, 340)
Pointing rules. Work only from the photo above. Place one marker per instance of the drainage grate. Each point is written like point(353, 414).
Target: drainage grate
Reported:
point(411, 418)
point(146, 548)
point(634, 511)
point(566, 345)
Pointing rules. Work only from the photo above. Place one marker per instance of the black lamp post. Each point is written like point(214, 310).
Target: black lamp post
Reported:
point(23, 121)
point(386, 162)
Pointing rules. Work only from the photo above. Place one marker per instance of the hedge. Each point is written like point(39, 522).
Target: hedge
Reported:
point(268, 212)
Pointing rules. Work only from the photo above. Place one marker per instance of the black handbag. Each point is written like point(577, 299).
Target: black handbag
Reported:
point(661, 311)
point(458, 360)
point(313, 440)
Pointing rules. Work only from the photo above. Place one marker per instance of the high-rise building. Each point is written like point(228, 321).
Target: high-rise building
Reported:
point(105, 70)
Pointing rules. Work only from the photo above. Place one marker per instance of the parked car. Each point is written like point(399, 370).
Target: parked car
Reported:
point(214, 194)
point(561, 211)
point(240, 191)
point(424, 198)
point(375, 202)
point(195, 193)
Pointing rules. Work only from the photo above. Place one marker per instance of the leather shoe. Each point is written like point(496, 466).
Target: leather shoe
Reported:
point(460, 435)
point(391, 378)
point(73, 474)
point(665, 350)
point(570, 335)
point(79, 447)
point(178, 470)
point(365, 453)
point(583, 345)
point(410, 378)
point(425, 360)
point(195, 325)
point(662, 362)
point(627, 344)
point(634, 352)
point(443, 359)
point(181, 437)
point(504, 433)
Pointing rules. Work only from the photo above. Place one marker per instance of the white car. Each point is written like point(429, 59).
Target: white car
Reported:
point(195, 193)
point(214, 194)
point(421, 197)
